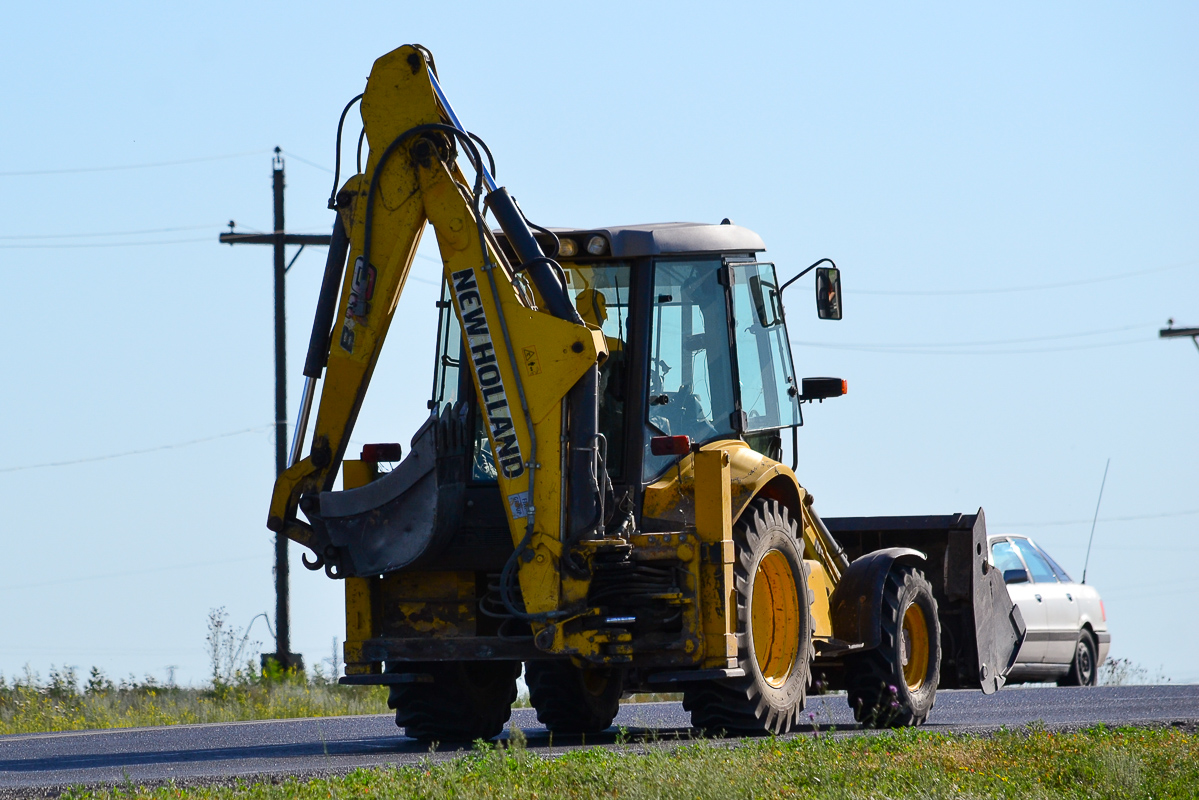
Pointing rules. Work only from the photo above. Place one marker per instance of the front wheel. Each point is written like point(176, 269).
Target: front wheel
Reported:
point(895, 684)
point(774, 631)
point(1083, 670)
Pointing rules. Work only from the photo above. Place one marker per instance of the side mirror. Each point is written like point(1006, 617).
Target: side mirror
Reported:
point(828, 293)
point(1015, 576)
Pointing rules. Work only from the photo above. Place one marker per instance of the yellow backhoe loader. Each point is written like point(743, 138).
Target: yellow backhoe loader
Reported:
point(597, 493)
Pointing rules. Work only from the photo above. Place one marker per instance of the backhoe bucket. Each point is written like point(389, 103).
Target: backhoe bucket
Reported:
point(981, 630)
point(406, 516)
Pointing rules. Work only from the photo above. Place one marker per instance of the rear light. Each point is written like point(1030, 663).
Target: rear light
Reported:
point(670, 445)
point(1103, 611)
point(387, 451)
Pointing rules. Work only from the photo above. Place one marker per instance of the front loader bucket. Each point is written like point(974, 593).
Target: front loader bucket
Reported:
point(981, 630)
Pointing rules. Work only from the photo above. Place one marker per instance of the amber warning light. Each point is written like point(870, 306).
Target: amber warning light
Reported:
point(821, 388)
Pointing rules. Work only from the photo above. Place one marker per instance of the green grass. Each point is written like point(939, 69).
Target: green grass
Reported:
point(28, 705)
point(1032, 763)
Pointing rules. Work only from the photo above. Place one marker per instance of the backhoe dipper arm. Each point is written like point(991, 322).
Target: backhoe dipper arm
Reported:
point(534, 368)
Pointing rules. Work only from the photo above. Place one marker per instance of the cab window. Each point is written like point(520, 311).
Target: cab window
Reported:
point(449, 354)
point(767, 380)
point(601, 295)
point(690, 370)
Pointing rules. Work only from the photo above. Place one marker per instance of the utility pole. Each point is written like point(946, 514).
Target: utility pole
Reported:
point(279, 239)
point(1174, 333)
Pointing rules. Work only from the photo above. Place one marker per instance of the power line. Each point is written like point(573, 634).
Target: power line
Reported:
point(1025, 340)
point(1085, 521)
point(1010, 289)
point(290, 154)
point(107, 233)
point(128, 573)
point(98, 244)
point(890, 350)
point(149, 165)
point(136, 452)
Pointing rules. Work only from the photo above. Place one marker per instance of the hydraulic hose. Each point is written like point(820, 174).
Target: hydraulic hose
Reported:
point(326, 304)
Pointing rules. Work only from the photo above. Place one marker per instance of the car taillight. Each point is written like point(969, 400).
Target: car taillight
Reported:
point(1103, 611)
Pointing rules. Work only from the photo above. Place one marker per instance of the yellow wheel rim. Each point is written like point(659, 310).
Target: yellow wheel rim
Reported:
point(913, 647)
point(775, 618)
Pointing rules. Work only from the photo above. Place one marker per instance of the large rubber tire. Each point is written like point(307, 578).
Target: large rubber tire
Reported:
point(467, 700)
point(895, 684)
point(1083, 670)
point(570, 699)
point(774, 631)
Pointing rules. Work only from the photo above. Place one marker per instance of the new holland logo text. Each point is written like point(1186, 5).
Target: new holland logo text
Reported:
point(491, 385)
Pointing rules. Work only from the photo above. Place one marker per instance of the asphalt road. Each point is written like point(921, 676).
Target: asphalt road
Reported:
point(203, 753)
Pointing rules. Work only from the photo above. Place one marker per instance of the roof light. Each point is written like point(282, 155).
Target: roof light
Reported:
point(567, 247)
point(597, 245)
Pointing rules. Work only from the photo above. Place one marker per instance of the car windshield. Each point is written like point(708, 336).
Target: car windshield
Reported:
point(1037, 565)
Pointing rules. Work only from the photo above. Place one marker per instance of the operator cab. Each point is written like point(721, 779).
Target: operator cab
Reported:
point(696, 335)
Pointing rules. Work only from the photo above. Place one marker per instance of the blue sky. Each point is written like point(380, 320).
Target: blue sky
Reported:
point(1011, 194)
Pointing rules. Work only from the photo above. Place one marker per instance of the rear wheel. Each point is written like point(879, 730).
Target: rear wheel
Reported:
point(774, 636)
point(1083, 670)
point(895, 684)
point(571, 699)
point(466, 700)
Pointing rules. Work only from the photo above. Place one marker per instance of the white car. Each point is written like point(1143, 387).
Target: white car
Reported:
point(1067, 637)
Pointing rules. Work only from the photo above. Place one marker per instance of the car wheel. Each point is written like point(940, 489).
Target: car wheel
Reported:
point(1083, 670)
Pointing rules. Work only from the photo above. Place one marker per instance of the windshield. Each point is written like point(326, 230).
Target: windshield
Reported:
point(690, 374)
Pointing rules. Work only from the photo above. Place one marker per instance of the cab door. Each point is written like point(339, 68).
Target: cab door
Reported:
point(768, 394)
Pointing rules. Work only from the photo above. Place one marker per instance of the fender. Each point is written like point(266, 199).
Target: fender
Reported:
point(857, 601)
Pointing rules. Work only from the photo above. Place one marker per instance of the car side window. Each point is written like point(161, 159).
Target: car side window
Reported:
point(1056, 567)
point(1005, 557)
point(1037, 565)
